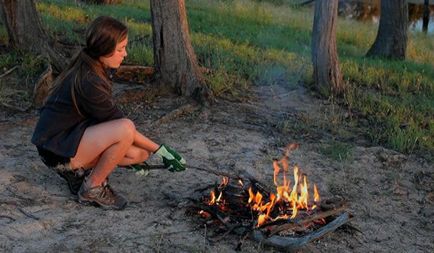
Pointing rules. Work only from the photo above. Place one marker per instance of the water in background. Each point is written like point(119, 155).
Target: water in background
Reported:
point(369, 11)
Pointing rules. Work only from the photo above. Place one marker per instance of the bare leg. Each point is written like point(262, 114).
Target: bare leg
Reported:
point(134, 155)
point(140, 151)
point(107, 142)
point(145, 143)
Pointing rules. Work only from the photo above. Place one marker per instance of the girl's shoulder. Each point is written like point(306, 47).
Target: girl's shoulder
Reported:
point(91, 76)
point(92, 82)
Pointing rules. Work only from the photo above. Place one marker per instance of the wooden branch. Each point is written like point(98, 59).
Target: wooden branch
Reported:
point(136, 69)
point(7, 217)
point(293, 243)
point(307, 220)
point(185, 109)
point(16, 108)
point(134, 73)
point(215, 172)
point(27, 214)
point(211, 211)
point(306, 2)
point(230, 230)
point(8, 71)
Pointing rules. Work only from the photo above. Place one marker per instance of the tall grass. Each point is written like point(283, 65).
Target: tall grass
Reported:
point(245, 42)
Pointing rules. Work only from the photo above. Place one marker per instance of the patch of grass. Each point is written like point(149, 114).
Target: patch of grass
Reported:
point(253, 64)
point(68, 20)
point(254, 24)
point(397, 99)
point(30, 64)
point(7, 61)
point(222, 82)
point(338, 151)
point(140, 54)
point(3, 35)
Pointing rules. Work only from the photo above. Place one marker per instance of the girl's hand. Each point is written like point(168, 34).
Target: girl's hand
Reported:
point(171, 159)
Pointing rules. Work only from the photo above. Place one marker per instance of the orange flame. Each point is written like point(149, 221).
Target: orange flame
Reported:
point(296, 196)
point(292, 198)
point(224, 182)
point(316, 197)
point(211, 198)
point(240, 182)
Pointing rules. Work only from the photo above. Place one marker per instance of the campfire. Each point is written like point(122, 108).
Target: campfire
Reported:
point(287, 216)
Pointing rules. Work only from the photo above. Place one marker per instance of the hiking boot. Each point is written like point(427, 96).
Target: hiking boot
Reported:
point(103, 196)
point(74, 178)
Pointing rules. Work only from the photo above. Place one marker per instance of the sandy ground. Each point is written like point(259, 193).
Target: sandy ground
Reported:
point(391, 195)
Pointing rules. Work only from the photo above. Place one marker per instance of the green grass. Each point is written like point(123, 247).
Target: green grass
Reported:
point(267, 42)
point(30, 65)
point(338, 151)
point(3, 35)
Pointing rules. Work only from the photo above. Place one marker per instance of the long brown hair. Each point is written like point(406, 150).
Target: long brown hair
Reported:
point(102, 36)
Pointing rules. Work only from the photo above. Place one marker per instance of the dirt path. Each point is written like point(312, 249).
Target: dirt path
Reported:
point(391, 195)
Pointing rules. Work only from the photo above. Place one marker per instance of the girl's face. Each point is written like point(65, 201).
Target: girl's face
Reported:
point(114, 61)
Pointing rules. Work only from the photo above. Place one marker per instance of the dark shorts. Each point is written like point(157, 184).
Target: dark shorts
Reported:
point(52, 160)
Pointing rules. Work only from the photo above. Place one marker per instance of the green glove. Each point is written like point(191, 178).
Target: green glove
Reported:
point(171, 159)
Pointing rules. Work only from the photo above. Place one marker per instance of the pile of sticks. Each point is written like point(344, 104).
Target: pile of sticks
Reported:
point(233, 216)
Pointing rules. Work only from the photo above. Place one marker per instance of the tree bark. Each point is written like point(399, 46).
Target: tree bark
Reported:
point(391, 41)
point(174, 58)
point(326, 72)
point(25, 30)
point(426, 13)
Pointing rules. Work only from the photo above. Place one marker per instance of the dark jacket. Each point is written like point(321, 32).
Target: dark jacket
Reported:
point(60, 126)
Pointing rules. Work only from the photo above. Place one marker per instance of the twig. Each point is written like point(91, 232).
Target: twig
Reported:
point(241, 241)
point(218, 173)
point(7, 217)
point(247, 176)
point(15, 107)
point(306, 2)
point(27, 214)
point(205, 235)
point(216, 215)
point(8, 71)
point(188, 108)
point(232, 228)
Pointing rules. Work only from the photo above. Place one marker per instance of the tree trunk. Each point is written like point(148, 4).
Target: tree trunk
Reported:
point(326, 72)
point(25, 30)
point(174, 58)
point(426, 13)
point(391, 41)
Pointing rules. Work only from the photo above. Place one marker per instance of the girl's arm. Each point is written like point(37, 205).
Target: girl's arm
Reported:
point(144, 142)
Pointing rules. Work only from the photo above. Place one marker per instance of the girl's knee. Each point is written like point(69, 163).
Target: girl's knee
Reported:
point(128, 129)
